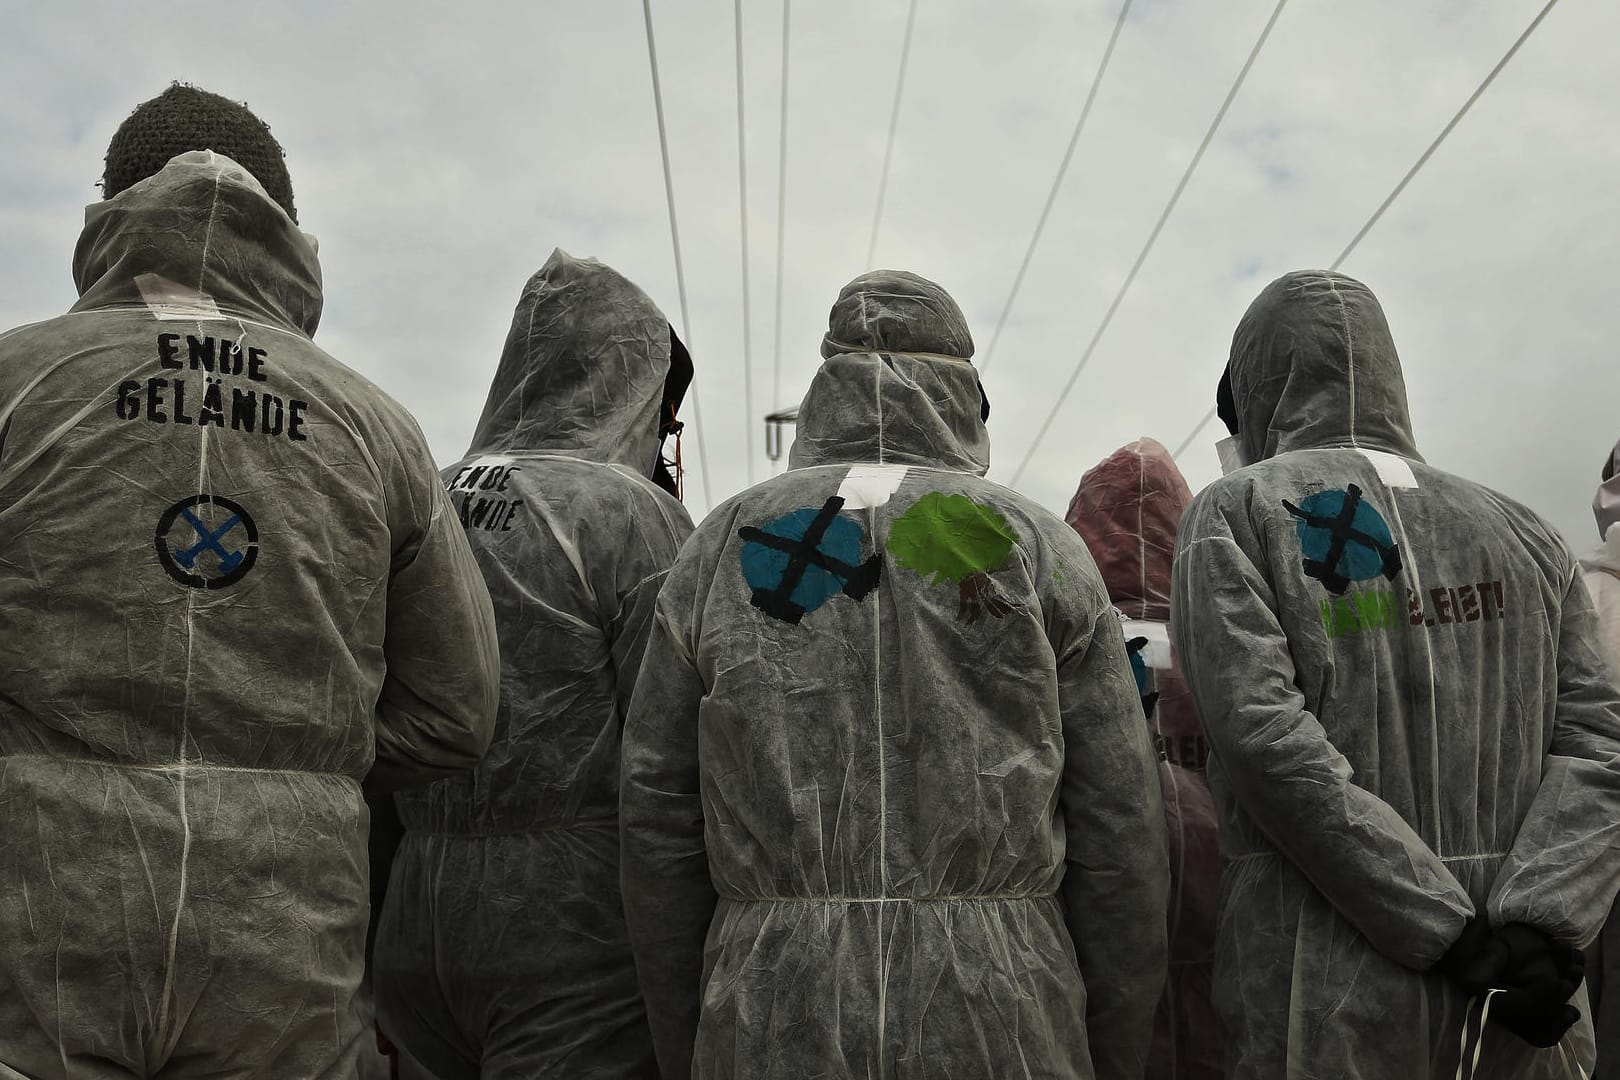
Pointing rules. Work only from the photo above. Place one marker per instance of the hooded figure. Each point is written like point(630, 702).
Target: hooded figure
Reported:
point(1412, 728)
point(1127, 510)
point(889, 807)
point(501, 950)
point(231, 580)
point(1602, 573)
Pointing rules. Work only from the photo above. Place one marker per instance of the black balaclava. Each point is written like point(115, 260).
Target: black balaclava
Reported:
point(1225, 404)
point(675, 385)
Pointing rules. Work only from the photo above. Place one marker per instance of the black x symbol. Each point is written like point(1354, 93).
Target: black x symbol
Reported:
point(1339, 528)
point(804, 553)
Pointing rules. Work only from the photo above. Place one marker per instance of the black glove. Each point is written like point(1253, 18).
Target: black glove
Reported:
point(1515, 957)
point(1532, 961)
point(1468, 963)
point(1534, 1019)
point(1537, 977)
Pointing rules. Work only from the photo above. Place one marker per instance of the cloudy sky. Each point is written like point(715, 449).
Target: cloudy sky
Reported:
point(440, 152)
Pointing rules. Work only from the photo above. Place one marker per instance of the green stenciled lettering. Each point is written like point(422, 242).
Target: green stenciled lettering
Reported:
point(1369, 610)
point(1344, 617)
point(1327, 617)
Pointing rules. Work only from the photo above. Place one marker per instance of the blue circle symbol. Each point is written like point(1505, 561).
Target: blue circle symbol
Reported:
point(1344, 539)
point(797, 562)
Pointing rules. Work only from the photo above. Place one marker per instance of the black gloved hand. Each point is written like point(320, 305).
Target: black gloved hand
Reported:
point(1469, 963)
point(1534, 1019)
point(1532, 961)
point(1537, 977)
point(1514, 957)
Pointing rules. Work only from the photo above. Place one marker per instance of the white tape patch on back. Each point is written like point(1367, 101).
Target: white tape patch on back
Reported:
point(870, 485)
point(1156, 653)
point(171, 301)
point(1394, 471)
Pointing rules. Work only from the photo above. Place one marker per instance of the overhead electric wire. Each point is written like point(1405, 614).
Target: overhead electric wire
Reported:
point(894, 123)
point(1421, 161)
point(1153, 236)
point(742, 209)
point(1057, 183)
point(781, 211)
point(675, 240)
point(1410, 173)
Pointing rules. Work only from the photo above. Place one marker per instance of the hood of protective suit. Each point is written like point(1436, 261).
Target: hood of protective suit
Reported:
point(197, 239)
point(583, 369)
point(1126, 510)
point(1313, 365)
point(897, 386)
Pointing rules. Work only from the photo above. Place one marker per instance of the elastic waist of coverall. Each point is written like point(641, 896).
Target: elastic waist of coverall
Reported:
point(532, 830)
point(962, 898)
point(176, 766)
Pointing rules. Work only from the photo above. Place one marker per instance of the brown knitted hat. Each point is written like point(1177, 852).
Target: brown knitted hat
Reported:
point(184, 118)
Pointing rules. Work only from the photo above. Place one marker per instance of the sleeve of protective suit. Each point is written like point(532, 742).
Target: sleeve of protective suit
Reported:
point(436, 711)
point(1116, 882)
point(1281, 766)
point(669, 898)
point(659, 528)
point(1560, 876)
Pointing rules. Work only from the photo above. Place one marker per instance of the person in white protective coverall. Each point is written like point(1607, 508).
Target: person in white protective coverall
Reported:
point(1602, 574)
point(502, 949)
point(1414, 735)
point(233, 587)
point(889, 807)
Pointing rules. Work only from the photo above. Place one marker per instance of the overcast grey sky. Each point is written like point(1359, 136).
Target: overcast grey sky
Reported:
point(440, 152)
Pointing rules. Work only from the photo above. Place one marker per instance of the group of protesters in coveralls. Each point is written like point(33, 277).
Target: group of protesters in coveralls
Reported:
point(317, 761)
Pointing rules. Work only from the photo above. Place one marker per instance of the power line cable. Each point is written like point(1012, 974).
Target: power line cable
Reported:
point(1158, 227)
point(781, 211)
point(1410, 173)
point(1421, 161)
point(675, 240)
point(894, 122)
point(1057, 183)
point(742, 209)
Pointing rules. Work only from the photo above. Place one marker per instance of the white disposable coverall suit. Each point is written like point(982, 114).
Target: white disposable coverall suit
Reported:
point(1409, 715)
point(501, 952)
point(889, 807)
point(230, 577)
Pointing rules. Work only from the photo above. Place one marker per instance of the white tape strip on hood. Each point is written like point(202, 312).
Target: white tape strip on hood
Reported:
point(170, 301)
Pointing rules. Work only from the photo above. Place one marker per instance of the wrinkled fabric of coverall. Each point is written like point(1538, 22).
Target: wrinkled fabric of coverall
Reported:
point(502, 949)
point(1127, 509)
point(889, 807)
point(1601, 569)
point(1409, 714)
point(230, 577)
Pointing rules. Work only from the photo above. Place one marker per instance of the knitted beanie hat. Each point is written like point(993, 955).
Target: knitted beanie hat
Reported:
point(184, 118)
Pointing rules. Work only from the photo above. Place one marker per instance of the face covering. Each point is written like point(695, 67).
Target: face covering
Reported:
point(1231, 454)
